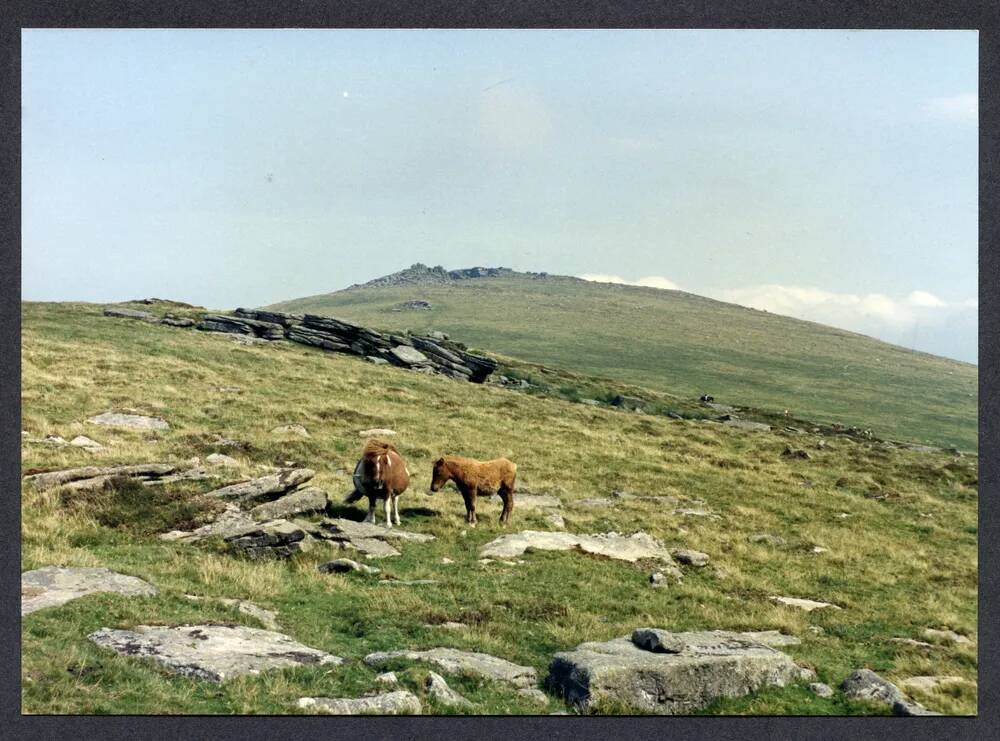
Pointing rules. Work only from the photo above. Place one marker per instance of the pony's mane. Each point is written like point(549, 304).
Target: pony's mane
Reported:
point(379, 446)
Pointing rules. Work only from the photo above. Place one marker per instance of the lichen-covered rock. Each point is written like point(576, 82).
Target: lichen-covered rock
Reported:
point(803, 604)
point(456, 661)
point(689, 557)
point(401, 702)
point(130, 421)
point(438, 688)
point(265, 487)
point(865, 684)
point(294, 503)
point(144, 316)
point(626, 548)
point(685, 672)
point(277, 539)
point(212, 652)
point(52, 586)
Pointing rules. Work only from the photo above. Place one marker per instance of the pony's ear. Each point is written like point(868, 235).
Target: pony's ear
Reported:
point(438, 462)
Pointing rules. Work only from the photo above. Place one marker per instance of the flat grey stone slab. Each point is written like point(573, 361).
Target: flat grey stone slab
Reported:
point(865, 684)
point(130, 421)
point(689, 557)
point(686, 671)
point(344, 566)
point(52, 586)
point(294, 503)
point(265, 487)
point(401, 702)
point(349, 529)
point(803, 604)
point(948, 635)
point(131, 314)
point(455, 661)
point(625, 548)
point(232, 520)
point(212, 652)
point(88, 476)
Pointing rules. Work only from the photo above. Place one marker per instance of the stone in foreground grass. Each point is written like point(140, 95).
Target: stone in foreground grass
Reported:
point(212, 652)
point(462, 662)
point(52, 586)
point(401, 702)
point(666, 673)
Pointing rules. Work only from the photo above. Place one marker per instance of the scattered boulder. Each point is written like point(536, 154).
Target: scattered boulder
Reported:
point(556, 520)
point(666, 673)
point(401, 702)
point(346, 565)
point(594, 502)
point(265, 487)
point(696, 512)
point(803, 604)
point(947, 635)
point(343, 529)
point(130, 421)
point(690, 558)
point(865, 684)
point(173, 321)
point(415, 305)
point(374, 360)
point(221, 459)
point(82, 441)
point(214, 653)
point(296, 430)
point(387, 678)
point(277, 539)
point(377, 432)
point(52, 586)
point(294, 503)
point(821, 690)
point(408, 582)
point(440, 691)
point(626, 548)
point(658, 579)
point(912, 642)
point(455, 661)
point(790, 452)
point(534, 694)
point(144, 316)
point(927, 683)
point(627, 402)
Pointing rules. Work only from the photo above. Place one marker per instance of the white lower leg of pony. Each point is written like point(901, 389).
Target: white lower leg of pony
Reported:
point(395, 509)
point(388, 508)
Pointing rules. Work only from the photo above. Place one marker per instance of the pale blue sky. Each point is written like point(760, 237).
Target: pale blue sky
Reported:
point(828, 175)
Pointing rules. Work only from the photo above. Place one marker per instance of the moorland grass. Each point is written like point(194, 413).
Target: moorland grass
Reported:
point(688, 345)
point(896, 564)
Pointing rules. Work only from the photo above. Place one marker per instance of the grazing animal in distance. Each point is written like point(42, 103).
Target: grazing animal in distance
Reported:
point(474, 478)
point(380, 474)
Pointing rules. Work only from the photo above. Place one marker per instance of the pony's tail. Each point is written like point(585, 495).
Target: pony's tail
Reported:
point(353, 497)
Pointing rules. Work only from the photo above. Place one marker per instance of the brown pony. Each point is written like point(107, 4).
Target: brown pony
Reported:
point(473, 478)
point(380, 474)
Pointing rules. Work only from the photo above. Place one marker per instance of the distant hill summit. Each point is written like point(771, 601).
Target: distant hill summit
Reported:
point(673, 342)
point(419, 274)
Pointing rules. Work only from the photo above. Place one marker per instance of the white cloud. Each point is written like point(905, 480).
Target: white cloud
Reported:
point(872, 313)
point(650, 281)
point(963, 107)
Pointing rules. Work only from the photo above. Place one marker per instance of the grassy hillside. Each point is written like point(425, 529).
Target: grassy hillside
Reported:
point(688, 345)
point(896, 564)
